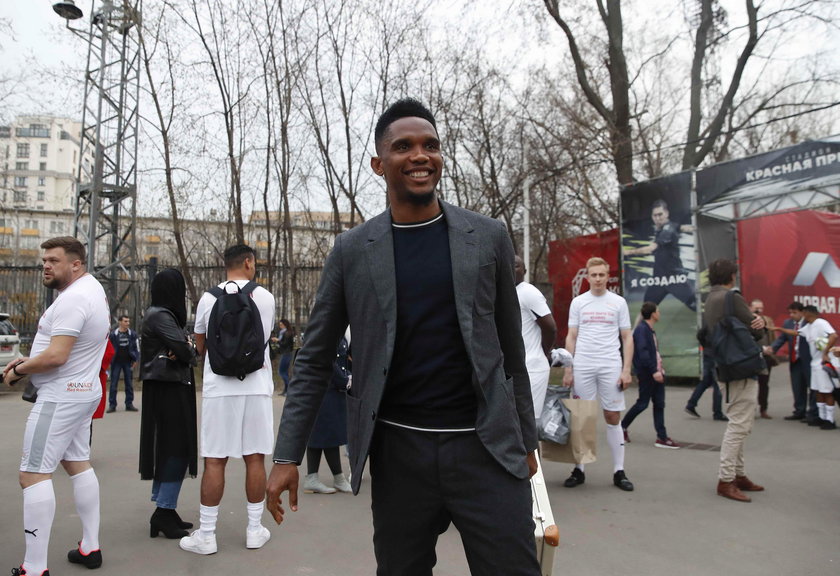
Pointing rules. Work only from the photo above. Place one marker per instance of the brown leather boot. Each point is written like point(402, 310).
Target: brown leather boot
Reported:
point(731, 491)
point(745, 484)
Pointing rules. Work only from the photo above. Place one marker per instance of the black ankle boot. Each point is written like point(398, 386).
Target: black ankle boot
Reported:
point(166, 521)
point(181, 523)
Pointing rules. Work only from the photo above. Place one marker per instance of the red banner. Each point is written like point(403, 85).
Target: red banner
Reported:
point(790, 257)
point(567, 271)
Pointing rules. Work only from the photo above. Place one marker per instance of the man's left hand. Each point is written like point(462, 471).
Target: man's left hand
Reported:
point(757, 323)
point(532, 464)
point(625, 380)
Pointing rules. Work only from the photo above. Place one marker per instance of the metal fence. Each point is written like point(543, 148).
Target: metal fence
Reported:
point(24, 297)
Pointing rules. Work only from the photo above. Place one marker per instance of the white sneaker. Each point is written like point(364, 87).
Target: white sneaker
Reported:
point(341, 484)
point(313, 485)
point(256, 537)
point(199, 544)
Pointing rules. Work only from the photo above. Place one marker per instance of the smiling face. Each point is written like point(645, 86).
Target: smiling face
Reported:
point(410, 161)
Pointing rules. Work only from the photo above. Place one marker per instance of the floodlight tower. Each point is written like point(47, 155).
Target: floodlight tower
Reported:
point(106, 190)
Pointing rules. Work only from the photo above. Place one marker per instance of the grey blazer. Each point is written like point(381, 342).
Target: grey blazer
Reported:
point(358, 287)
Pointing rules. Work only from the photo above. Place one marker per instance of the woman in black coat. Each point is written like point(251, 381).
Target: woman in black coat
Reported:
point(168, 439)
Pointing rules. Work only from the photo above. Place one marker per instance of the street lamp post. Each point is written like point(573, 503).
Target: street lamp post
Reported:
point(105, 208)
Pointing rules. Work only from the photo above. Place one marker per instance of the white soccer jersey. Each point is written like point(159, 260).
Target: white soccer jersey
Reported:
point(532, 305)
point(814, 331)
point(81, 311)
point(259, 382)
point(598, 320)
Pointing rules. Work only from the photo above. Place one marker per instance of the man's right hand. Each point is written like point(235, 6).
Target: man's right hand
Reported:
point(283, 477)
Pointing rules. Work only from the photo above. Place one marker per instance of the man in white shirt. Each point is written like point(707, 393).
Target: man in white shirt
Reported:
point(64, 363)
point(599, 333)
point(237, 415)
point(821, 337)
point(538, 334)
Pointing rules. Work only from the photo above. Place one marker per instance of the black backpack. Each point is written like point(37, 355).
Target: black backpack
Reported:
point(235, 339)
point(736, 353)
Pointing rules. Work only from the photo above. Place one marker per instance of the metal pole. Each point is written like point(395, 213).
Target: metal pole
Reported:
point(526, 220)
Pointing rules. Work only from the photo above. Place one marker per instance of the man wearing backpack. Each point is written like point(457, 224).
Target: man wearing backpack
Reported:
point(237, 416)
point(740, 395)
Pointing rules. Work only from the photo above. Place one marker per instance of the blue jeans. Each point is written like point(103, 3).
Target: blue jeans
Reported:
point(165, 494)
point(118, 368)
point(709, 380)
point(649, 389)
point(285, 361)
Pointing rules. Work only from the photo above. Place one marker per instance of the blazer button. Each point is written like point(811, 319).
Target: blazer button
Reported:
point(384, 371)
point(373, 415)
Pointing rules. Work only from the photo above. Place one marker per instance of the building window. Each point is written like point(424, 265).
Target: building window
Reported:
point(21, 165)
point(41, 195)
point(43, 150)
point(20, 196)
point(20, 181)
point(56, 227)
point(42, 166)
point(42, 181)
point(23, 150)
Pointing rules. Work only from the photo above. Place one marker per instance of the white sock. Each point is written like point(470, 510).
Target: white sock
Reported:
point(207, 519)
point(255, 512)
point(38, 514)
point(829, 412)
point(821, 410)
point(615, 439)
point(86, 495)
point(579, 467)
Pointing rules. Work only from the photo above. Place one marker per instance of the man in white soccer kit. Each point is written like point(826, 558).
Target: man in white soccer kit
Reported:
point(64, 363)
point(597, 319)
point(821, 337)
point(237, 417)
point(538, 333)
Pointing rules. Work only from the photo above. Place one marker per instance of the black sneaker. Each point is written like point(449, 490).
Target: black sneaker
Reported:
point(721, 417)
point(620, 480)
point(21, 572)
point(691, 411)
point(577, 478)
point(795, 416)
point(815, 422)
point(131, 408)
point(826, 425)
point(90, 560)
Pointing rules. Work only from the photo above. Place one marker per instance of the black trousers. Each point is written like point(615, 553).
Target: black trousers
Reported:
point(422, 481)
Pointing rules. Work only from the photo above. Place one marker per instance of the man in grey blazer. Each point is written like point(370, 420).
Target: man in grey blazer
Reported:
point(440, 399)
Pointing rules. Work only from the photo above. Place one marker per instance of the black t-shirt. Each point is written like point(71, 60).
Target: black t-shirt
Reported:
point(121, 355)
point(666, 258)
point(430, 380)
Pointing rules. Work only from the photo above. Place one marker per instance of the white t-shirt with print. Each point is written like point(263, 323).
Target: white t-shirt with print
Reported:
point(598, 320)
point(80, 310)
point(819, 328)
point(255, 383)
point(532, 305)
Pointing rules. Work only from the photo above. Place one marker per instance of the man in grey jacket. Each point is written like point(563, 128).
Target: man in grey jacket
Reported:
point(440, 400)
point(741, 396)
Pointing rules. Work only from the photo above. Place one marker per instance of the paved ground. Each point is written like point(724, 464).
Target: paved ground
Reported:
point(672, 524)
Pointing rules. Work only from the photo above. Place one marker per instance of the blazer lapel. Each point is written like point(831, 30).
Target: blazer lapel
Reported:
point(380, 260)
point(463, 250)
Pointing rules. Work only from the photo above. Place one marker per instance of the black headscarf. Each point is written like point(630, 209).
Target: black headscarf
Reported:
point(170, 292)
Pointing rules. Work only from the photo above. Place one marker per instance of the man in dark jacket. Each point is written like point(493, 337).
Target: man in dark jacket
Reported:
point(741, 395)
point(799, 354)
point(126, 354)
point(647, 363)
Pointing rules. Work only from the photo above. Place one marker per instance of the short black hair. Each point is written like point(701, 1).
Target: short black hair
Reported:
point(648, 308)
point(404, 108)
point(659, 204)
point(721, 271)
point(795, 306)
point(236, 255)
point(811, 308)
point(120, 319)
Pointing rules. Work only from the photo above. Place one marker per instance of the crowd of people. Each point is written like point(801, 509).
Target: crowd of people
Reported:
point(439, 387)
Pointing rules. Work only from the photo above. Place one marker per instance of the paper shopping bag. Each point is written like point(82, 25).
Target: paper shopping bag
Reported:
point(583, 439)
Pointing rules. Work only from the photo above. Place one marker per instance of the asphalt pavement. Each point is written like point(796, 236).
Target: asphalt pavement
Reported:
point(673, 523)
